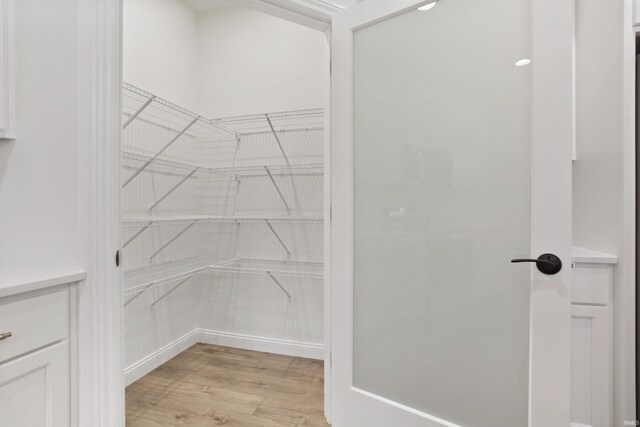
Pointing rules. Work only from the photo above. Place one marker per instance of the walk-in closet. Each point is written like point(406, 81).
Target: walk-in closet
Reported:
point(223, 121)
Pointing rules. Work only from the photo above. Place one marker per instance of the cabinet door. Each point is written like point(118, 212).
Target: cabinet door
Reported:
point(34, 389)
point(7, 91)
point(590, 366)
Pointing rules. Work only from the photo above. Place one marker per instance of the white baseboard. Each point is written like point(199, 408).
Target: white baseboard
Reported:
point(227, 339)
point(578, 425)
point(144, 366)
point(267, 345)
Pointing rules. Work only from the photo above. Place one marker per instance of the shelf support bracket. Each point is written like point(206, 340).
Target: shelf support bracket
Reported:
point(162, 150)
point(135, 236)
point(184, 230)
point(140, 292)
point(137, 113)
point(275, 135)
point(266, 168)
point(277, 236)
point(174, 188)
point(279, 284)
point(170, 291)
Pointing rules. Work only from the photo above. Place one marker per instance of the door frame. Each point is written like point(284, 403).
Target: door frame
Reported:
point(552, 97)
point(100, 380)
point(101, 383)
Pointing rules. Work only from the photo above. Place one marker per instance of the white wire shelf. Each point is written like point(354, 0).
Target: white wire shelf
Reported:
point(140, 280)
point(271, 267)
point(162, 165)
point(160, 124)
point(139, 104)
point(280, 122)
point(190, 219)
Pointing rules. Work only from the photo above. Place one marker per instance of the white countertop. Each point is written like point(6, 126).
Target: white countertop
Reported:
point(19, 280)
point(587, 256)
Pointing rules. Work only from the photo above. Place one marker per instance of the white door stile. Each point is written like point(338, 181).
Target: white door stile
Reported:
point(551, 223)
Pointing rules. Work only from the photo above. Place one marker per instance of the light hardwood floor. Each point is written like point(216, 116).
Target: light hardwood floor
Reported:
point(210, 385)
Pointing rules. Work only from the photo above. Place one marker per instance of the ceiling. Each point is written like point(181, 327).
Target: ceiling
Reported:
point(208, 5)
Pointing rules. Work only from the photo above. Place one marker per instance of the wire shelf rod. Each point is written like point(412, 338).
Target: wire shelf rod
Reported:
point(170, 291)
point(135, 236)
point(174, 188)
point(279, 285)
point(277, 237)
point(163, 247)
point(137, 113)
point(275, 184)
point(275, 135)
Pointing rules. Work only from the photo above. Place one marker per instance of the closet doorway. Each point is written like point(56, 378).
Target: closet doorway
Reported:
point(223, 215)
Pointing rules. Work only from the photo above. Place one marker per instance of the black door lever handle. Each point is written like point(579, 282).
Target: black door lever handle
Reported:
point(546, 263)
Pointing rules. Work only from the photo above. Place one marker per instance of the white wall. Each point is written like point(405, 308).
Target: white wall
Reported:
point(160, 48)
point(39, 172)
point(598, 170)
point(251, 62)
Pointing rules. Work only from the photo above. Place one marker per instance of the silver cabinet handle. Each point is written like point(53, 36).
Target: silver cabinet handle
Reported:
point(5, 336)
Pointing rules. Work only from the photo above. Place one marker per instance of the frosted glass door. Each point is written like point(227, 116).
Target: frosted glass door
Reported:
point(444, 188)
point(442, 194)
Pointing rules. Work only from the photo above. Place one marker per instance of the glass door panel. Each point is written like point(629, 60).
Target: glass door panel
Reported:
point(442, 194)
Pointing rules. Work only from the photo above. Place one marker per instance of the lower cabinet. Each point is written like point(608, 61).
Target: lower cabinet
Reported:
point(35, 358)
point(35, 389)
point(591, 346)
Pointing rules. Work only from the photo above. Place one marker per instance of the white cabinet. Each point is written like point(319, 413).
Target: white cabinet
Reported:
point(591, 339)
point(7, 90)
point(35, 389)
point(35, 320)
point(36, 347)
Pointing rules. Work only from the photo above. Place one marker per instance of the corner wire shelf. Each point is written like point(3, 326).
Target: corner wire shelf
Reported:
point(138, 104)
point(142, 106)
point(144, 279)
point(134, 160)
point(280, 122)
point(190, 220)
point(134, 222)
point(148, 108)
point(280, 268)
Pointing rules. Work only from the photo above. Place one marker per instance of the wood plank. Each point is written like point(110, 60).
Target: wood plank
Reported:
point(189, 414)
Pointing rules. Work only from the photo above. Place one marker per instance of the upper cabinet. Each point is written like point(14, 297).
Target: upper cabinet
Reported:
point(7, 62)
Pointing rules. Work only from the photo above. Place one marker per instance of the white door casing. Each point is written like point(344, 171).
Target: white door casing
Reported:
point(551, 107)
